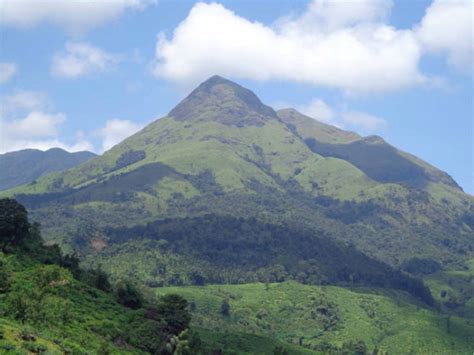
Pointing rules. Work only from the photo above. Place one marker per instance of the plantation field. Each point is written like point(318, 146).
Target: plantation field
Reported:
point(324, 318)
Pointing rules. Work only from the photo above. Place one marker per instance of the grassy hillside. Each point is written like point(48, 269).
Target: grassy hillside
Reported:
point(222, 151)
point(327, 318)
point(49, 305)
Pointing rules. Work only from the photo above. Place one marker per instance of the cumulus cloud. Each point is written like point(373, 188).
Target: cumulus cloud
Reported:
point(320, 111)
point(447, 27)
point(345, 119)
point(79, 59)
point(23, 101)
point(115, 131)
point(26, 122)
point(337, 44)
point(330, 15)
point(7, 71)
point(35, 124)
point(74, 16)
point(348, 45)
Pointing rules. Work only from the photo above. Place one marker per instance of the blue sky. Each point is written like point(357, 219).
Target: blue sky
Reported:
point(86, 75)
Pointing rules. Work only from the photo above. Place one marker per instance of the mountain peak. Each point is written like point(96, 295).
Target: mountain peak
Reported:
point(221, 100)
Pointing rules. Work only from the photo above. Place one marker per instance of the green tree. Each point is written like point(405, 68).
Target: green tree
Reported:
point(129, 295)
point(5, 274)
point(14, 225)
point(102, 280)
point(225, 308)
point(174, 311)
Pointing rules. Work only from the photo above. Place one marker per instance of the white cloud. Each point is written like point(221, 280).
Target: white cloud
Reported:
point(341, 44)
point(332, 44)
point(73, 15)
point(447, 27)
point(320, 111)
point(344, 119)
point(115, 131)
point(330, 15)
point(26, 122)
point(7, 71)
point(35, 124)
point(363, 121)
point(23, 101)
point(79, 59)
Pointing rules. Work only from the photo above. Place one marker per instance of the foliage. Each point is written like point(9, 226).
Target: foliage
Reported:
point(421, 266)
point(129, 295)
point(78, 314)
point(322, 319)
point(240, 250)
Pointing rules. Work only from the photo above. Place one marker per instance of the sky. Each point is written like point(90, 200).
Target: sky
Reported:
point(84, 75)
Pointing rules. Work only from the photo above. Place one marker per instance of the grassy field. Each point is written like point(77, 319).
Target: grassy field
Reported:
point(323, 318)
point(454, 289)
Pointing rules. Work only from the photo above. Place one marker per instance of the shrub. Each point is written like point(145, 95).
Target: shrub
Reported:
point(129, 295)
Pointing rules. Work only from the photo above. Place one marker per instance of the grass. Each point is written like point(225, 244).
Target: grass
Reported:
point(66, 316)
point(390, 320)
point(456, 285)
point(11, 340)
point(243, 343)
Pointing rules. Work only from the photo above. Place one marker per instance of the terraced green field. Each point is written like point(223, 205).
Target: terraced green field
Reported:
point(324, 318)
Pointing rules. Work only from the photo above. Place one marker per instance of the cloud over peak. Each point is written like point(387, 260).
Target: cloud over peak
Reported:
point(338, 44)
point(345, 119)
point(115, 131)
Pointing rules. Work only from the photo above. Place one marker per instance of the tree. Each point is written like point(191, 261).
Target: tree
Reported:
point(100, 280)
point(225, 308)
point(173, 309)
point(5, 274)
point(129, 295)
point(14, 225)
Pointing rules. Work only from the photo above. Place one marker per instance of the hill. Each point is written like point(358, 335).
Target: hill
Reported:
point(49, 305)
point(25, 166)
point(291, 184)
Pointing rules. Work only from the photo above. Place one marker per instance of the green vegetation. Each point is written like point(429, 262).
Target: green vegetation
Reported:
point(245, 250)
point(49, 305)
point(25, 166)
point(226, 190)
point(326, 318)
point(221, 151)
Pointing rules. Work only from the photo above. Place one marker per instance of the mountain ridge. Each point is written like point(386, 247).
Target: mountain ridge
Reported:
point(27, 165)
point(216, 158)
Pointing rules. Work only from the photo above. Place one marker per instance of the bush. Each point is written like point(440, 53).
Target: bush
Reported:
point(225, 308)
point(129, 295)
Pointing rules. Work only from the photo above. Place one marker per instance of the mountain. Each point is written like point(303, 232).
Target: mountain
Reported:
point(25, 166)
point(226, 190)
point(279, 182)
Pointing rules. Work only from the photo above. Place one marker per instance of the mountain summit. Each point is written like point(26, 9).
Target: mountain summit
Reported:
point(221, 100)
point(222, 167)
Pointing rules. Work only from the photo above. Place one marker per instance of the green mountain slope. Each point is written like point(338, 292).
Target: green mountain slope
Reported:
point(221, 152)
point(328, 319)
point(25, 166)
point(50, 305)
